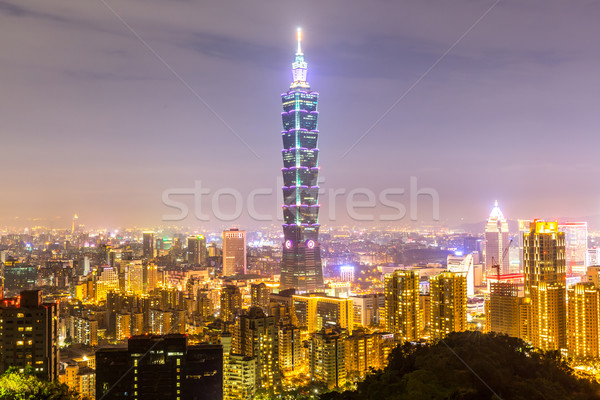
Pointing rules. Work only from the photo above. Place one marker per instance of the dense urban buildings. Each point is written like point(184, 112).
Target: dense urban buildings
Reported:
point(207, 312)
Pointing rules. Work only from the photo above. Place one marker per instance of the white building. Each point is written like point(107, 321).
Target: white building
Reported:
point(496, 240)
point(463, 265)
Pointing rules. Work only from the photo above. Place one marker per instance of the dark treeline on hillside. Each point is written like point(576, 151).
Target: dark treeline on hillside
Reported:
point(498, 367)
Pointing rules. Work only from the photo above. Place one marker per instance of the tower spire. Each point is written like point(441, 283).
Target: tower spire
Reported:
point(299, 35)
point(299, 66)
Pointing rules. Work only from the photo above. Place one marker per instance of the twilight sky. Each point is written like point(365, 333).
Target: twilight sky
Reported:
point(93, 122)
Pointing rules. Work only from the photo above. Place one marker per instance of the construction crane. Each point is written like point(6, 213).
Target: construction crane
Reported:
point(497, 266)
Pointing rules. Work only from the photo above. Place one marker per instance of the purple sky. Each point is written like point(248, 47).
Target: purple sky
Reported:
point(92, 122)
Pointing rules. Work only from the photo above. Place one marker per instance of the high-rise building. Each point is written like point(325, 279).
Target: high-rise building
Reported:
point(290, 348)
point(84, 331)
point(314, 312)
point(448, 292)
point(160, 367)
point(19, 276)
point(75, 225)
point(328, 357)
point(160, 322)
point(544, 258)
point(239, 372)
point(259, 295)
point(148, 245)
point(576, 242)
point(583, 306)
point(256, 336)
point(231, 302)
point(123, 326)
point(543, 254)
point(137, 324)
point(524, 225)
point(108, 281)
point(234, 252)
point(301, 266)
point(496, 240)
point(368, 309)
point(151, 281)
point(29, 334)
point(134, 276)
point(196, 250)
point(402, 316)
point(503, 309)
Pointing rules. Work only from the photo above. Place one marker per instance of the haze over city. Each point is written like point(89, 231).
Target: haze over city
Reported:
point(340, 200)
point(95, 123)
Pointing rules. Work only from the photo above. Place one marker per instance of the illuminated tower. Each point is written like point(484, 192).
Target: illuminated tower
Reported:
point(301, 267)
point(544, 258)
point(496, 240)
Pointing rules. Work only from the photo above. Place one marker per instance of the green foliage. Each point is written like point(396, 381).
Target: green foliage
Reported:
point(472, 365)
point(28, 385)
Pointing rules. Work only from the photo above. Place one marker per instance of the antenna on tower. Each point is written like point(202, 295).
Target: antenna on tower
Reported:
point(299, 35)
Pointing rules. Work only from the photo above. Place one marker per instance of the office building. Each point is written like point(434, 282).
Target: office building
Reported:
point(463, 265)
point(19, 276)
point(196, 250)
point(160, 367)
point(576, 242)
point(234, 252)
point(543, 254)
point(301, 267)
point(148, 245)
point(29, 334)
point(402, 316)
point(545, 267)
point(496, 241)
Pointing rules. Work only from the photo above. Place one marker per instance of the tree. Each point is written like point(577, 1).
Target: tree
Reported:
point(472, 365)
point(29, 385)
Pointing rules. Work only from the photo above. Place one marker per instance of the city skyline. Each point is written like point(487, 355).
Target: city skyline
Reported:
point(82, 153)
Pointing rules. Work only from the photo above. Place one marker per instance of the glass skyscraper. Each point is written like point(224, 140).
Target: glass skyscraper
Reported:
point(301, 267)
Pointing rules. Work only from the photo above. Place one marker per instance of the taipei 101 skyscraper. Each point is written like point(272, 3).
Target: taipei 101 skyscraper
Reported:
point(301, 267)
